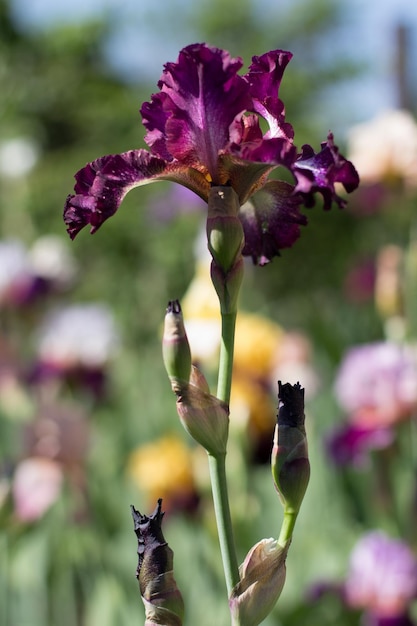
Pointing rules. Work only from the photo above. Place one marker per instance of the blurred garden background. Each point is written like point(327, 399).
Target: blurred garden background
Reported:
point(88, 423)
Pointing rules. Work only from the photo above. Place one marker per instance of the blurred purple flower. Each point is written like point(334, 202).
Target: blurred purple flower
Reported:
point(203, 129)
point(382, 580)
point(350, 444)
point(359, 284)
point(175, 201)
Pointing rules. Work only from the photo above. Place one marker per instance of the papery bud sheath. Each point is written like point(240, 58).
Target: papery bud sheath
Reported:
point(204, 417)
point(161, 597)
point(262, 578)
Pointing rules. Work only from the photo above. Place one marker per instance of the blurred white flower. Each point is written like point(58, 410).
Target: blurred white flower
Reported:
point(15, 268)
point(81, 335)
point(17, 157)
point(385, 148)
point(51, 260)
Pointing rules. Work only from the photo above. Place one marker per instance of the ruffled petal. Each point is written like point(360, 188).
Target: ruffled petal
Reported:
point(319, 173)
point(271, 221)
point(202, 97)
point(102, 185)
point(264, 76)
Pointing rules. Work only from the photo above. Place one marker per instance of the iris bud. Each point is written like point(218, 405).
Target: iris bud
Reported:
point(161, 597)
point(262, 578)
point(175, 347)
point(290, 464)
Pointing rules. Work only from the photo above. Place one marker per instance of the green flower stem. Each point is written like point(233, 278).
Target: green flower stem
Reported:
point(287, 527)
point(226, 356)
point(217, 467)
point(217, 464)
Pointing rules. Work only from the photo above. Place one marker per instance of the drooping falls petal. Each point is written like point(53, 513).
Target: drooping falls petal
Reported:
point(271, 221)
point(102, 185)
point(319, 173)
point(201, 95)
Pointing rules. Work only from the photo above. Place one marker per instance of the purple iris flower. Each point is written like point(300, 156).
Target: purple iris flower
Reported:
point(203, 129)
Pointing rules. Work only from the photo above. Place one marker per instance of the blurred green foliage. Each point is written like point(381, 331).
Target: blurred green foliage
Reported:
point(57, 91)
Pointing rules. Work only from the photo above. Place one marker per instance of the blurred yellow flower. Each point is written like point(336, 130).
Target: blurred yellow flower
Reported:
point(252, 407)
point(256, 345)
point(163, 469)
point(256, 337)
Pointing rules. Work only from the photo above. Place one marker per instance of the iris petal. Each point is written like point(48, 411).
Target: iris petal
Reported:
point(202, 96)
point(265, 75)
point(102, 185)
point(271, 221)
point(319, 173)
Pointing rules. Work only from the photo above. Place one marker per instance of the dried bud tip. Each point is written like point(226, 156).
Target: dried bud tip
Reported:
point(174, 307)
point(148, 530)
point(291, 404)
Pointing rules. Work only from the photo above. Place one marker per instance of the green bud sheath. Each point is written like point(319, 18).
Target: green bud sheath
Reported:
point(225, 236)
point(289, 463)
point(227, 285)
point(160, 595)
point(175, 347)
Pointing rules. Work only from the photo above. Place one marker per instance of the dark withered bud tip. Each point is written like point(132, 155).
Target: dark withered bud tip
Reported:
point(174, 307)
point(148, 531)
point(291, 404)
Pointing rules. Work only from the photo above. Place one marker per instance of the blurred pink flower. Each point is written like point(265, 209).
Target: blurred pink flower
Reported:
point(382, 577)
point(376, 386)
point(36, 486)
point(377, 383)
point(381, 581)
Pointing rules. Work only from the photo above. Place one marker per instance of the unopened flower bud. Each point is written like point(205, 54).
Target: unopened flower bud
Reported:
point(225, 236)
point(290, 464)
point(262, 578)
point(204, 417)
point(161, 597)
point(175, 347)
